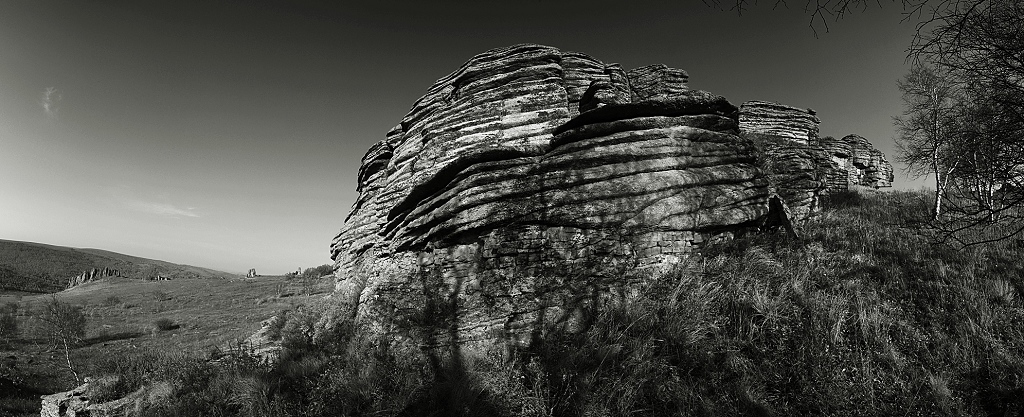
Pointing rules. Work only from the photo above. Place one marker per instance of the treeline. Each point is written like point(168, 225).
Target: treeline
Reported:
point(312, 273)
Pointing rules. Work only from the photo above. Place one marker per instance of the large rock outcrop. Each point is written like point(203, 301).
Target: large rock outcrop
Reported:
point(802, 166)
point(92, 275)
point(520, 189)
point(525, 160)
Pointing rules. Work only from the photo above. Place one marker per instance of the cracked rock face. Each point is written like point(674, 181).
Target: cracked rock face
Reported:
point(528, 159)
point(800, 165)
point(531, 184)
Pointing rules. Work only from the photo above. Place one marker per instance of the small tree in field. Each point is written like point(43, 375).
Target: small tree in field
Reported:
point(926, 143)
point(65, 327)
point(8, 323)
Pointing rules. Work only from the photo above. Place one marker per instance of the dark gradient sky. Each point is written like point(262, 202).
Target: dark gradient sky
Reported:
point(229, 135)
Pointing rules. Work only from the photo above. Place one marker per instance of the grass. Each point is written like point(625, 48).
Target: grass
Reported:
point(862, 316)
point(192, 316)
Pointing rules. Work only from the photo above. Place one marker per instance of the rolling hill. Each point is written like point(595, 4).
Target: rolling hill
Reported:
point(39, 268)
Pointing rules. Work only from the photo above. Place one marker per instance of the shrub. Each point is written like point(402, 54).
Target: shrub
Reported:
point(64, 327)
point(8, 327)
point(9, 322)
point(164, 324)
point(111, 301)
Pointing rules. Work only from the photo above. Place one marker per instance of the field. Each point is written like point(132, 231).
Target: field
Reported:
point(199, 316)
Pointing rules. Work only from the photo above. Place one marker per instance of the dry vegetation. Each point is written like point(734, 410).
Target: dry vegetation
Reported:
point(128, 321)
point(863, 316)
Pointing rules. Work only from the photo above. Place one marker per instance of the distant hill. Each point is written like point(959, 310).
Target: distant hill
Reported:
point(39, 268)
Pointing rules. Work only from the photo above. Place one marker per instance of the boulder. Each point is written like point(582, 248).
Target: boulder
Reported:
point(800, 166)
point(530, 185)
point(774, 119)
point(519, 189)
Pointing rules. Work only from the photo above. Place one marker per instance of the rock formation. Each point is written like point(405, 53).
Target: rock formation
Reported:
point(521, 188)
point(251, 273)
point(800, 165)
point(77, 403)
point(773, 119)
point(92, 275)
point(863, 164)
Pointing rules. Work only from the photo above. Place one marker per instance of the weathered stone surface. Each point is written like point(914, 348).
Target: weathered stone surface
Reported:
point(65, 404)
point(657, 82)
point(496, 194)
point(795, 166)
point(92, 275)
point(800, 165)
point(531, 183)
point(780, 120)
point(867, 166)
point(77, 403)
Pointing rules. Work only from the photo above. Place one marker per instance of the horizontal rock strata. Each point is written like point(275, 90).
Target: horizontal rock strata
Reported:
point(531, 183)
point(800, 165)
point(528, 159)
point(779, 120)
point(864, 164)
point(92, 275)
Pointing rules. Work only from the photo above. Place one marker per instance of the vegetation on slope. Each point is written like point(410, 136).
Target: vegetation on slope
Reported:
point(862, 316)
point(38, 268)
point(141, 329)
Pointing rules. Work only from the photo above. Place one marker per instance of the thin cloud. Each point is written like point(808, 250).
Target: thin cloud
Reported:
point(51, 101)
point(124, 196)
point(161, 209)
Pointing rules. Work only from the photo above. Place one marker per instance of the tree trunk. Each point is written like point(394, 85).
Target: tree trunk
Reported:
point(937, 210)
point(67, 356)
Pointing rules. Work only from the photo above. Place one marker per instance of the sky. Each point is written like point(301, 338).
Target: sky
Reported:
point(228, 135)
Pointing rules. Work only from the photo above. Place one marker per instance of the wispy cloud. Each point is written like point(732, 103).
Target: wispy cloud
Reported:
point(161, 209)
point(51, 101)
point(157, 206)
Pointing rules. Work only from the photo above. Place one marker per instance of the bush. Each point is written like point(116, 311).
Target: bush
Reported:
point(164, 324)
point(111, 301)
point(8, 327)
point(9, 330)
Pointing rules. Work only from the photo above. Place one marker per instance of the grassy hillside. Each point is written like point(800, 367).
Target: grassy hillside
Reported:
point(862, 316)
point(39, 268)
point(129, 319)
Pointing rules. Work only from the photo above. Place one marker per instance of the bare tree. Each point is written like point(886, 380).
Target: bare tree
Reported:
point(65, 327)
point(977, 47)
point(926, 143)
point(8, 322)
point(986, 201)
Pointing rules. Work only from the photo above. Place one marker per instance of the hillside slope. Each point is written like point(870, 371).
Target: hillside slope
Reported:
point(36, 267)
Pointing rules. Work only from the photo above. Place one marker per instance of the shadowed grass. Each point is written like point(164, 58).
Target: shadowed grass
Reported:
point(863, 316)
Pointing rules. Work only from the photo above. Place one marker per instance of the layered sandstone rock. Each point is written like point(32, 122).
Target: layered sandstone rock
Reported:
point(77, 402)
point(92, 275)
point(787, 137)
point(773, 119)
point(866, 165)
point(800, 165)
point(518, 181)
point(530, 184)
